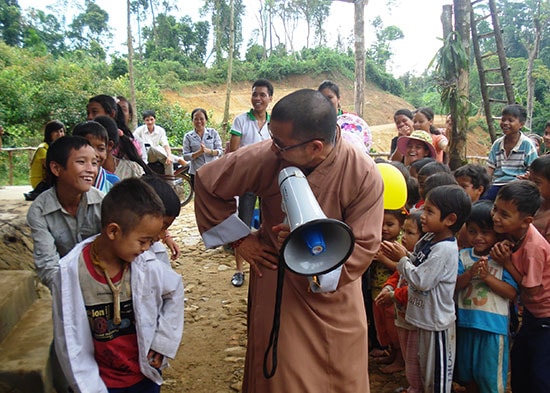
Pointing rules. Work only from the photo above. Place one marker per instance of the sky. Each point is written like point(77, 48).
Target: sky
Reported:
point(420, 24)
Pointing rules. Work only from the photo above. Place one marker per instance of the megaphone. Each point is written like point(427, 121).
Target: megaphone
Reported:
point(316, 244)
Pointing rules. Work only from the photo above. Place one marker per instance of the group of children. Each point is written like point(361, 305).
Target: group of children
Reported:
point(454, 268)
point(117, 303)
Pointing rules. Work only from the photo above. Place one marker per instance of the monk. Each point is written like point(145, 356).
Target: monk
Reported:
point(323, 330)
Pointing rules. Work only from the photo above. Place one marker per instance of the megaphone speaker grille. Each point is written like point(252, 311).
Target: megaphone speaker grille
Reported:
point(338, 246)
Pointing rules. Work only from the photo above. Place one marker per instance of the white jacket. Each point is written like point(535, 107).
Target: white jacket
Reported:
point(157, 295)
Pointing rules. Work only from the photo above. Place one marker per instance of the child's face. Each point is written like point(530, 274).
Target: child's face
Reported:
point(431, 218)
point(411, 234)
point(546, 138)
point(466, 183)
point(80, 171)
point(94, 110)
point(481, 239)
point(421, 122)
point(100, 147)
point(415, 151)
point(391, 228)
point(510, 124)
point(542, 183)
point(166, 222)
point(508, 220)
point(128, 246)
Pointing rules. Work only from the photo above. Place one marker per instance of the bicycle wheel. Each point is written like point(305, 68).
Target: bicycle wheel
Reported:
point(182, 186)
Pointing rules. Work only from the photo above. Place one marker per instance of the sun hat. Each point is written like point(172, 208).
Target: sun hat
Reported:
point(417, 135)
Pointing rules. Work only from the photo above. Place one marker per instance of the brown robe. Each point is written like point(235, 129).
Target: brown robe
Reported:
point(323, 336)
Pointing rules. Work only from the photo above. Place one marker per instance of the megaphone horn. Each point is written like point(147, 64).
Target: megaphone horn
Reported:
point(316, 244)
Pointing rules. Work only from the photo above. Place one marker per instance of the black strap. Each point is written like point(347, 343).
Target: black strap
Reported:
point(274, 335)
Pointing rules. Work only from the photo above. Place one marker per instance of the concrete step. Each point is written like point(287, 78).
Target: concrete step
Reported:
point(25, 364)
point(17, 293)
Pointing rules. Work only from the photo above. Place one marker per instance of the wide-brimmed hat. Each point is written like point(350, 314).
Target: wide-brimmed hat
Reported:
point(421, 136)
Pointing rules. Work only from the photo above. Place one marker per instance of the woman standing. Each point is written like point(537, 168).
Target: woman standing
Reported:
point(201, 145)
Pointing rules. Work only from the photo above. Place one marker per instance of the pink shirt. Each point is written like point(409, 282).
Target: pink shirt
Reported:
point(532, 261)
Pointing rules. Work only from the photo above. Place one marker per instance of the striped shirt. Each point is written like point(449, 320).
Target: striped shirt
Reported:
point(507, 168)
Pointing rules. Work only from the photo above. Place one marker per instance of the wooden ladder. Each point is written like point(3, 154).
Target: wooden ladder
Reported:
point(495, 82)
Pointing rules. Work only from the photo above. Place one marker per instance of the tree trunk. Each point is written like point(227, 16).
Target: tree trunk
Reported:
point(229, 64)
point(131, 68)
point(459, 109)
point(359, 32)
point(533, 54)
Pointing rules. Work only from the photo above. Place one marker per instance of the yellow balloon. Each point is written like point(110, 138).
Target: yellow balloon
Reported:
point(395, 187)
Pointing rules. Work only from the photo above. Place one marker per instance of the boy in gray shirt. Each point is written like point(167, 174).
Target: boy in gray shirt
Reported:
point(431, 273)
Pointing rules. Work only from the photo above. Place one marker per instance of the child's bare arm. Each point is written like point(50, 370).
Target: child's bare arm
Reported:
point(464, 279)
point(380, 257)
point(499, 287)
point(502, 253)
point(393, 250)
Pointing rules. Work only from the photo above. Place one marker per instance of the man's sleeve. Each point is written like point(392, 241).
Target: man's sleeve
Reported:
point(364, 216)
point(237, 127)
point(163, 137)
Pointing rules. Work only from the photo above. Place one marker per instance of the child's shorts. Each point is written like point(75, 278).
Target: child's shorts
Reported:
point(482, 357)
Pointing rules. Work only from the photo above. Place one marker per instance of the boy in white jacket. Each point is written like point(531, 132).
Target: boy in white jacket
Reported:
point(118, 312)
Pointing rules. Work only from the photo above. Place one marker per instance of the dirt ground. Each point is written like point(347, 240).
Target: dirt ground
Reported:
point(211, 356)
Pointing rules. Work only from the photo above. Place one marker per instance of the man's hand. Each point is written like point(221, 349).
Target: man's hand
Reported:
point(384, 297)
point(257, 253)
point(282, 231)
point(393, 250)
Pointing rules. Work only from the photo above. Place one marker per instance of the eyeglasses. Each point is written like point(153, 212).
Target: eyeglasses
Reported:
point(287, 148)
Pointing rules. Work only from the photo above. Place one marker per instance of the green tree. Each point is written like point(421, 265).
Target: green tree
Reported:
point(220, 15)
point(314, 13)
point(43, 31)
point(10, 22)
point(380, 51)
point(90, 30)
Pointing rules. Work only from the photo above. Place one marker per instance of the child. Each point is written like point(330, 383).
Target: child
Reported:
point(53, 130)
point(395, 292)
point(426, 171)
point(415, 146)
point(96, 134)
point(118, 312)
point(539, 172)
point(511, 154)
point(384, 314)
point(483, 291)
point(431, 276)
point(525, 254)
point(474, 179)
point(70, 211)
point(172, 207)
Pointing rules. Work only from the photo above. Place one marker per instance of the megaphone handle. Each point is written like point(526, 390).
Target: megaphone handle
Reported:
point(274, 335)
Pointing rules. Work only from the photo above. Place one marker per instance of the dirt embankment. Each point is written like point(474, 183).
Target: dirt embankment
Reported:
point(379, 106)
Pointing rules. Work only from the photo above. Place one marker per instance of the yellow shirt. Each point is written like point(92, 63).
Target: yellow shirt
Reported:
point(38, 165)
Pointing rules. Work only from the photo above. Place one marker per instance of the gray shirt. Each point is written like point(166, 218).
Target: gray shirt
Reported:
point(431, 276)
point(55, 232)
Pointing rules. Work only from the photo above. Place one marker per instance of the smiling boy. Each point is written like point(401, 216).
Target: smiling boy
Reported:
point(431, 275)
point(70, 211)
point(525, 254)
point(512, 153)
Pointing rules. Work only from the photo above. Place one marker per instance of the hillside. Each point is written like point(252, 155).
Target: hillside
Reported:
point(379, 105)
